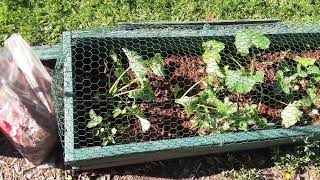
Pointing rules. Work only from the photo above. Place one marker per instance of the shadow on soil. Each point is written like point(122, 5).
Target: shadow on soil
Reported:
point(192, 167)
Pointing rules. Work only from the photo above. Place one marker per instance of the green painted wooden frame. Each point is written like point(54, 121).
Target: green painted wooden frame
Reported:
point(115, 155)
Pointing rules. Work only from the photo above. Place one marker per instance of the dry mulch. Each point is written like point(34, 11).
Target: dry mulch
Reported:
point(13, 166)
point(209, 167)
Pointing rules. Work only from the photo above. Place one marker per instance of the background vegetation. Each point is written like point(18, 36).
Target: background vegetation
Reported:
point(42, 21)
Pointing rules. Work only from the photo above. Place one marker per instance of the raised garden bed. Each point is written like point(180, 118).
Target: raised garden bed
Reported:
point(143, 95)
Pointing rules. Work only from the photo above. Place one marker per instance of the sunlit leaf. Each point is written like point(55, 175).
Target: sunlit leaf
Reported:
point(95, 119)
point(249, 39)
point(313, 70)
point(117, 112)
point(214, 69)
point(260, 41)
point(213, 46)
point(189, 103)
point(238, 83)
point(305, 102)
point(113, 131)
point(290, 115)
point(157, 65)
point(284, 83)
point(243, 42)
point(303, 74)
point(312, 93)
point(145, 124)
point(306, 61)
point(259, 76)
point(137, 64)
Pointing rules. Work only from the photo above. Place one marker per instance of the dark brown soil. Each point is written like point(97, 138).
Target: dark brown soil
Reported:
point(185, 70)
point(269, 62)
point(266, 111)
point(283, 56)
point(169, 120)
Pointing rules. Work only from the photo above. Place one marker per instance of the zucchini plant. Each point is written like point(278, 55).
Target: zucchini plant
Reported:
point(126, 92)
point(215, 107)
point(210, 114)
point(304, 77)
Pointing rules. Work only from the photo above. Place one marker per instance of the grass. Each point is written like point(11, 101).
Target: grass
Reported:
point(42, 21)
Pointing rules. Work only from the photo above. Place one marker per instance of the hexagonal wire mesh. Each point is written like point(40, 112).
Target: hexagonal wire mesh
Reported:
point(128, 87)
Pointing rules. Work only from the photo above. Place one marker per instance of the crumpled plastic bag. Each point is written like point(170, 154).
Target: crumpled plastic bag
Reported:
point(27, 115)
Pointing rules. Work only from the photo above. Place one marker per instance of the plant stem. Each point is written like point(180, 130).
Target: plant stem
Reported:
point(126, 92)
point(252, 64)
point(115, 84)
point(237, 62)
point(193, 87)
point(207, 107)
point(131, 82)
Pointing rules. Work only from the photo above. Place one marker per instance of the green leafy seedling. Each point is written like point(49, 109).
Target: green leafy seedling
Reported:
point(95, 120)
point(305, 61)
point(212, 58)
point(104, 130)
point(313, 97)
point(189, 103)
point(285, 83)
point(250, 39)
point(246, 40)
point(126, 108)
point(137, 65)
point(209, 113)
point(305, 68)
point(236, 82)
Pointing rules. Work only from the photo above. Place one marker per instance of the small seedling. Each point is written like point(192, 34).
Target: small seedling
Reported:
point(105, 131)
point(126, 107)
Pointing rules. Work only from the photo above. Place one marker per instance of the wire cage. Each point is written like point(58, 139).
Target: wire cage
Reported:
point(126, 96)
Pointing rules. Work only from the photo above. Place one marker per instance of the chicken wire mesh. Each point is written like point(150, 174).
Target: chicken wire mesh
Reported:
point(121, 88)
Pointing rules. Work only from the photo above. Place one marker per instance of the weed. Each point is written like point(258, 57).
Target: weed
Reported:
point(296, 159)
point(242, 174)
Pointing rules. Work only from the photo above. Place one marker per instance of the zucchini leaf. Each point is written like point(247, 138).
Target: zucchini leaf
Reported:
point(137, 64)
point(249, 39)
point(157, 65)
point(238, 83)
point(305, 61)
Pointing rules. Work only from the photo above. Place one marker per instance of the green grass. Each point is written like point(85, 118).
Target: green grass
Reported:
point(42, 21)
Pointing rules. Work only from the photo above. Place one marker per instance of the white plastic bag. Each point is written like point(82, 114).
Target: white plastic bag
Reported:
point(26, 108)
